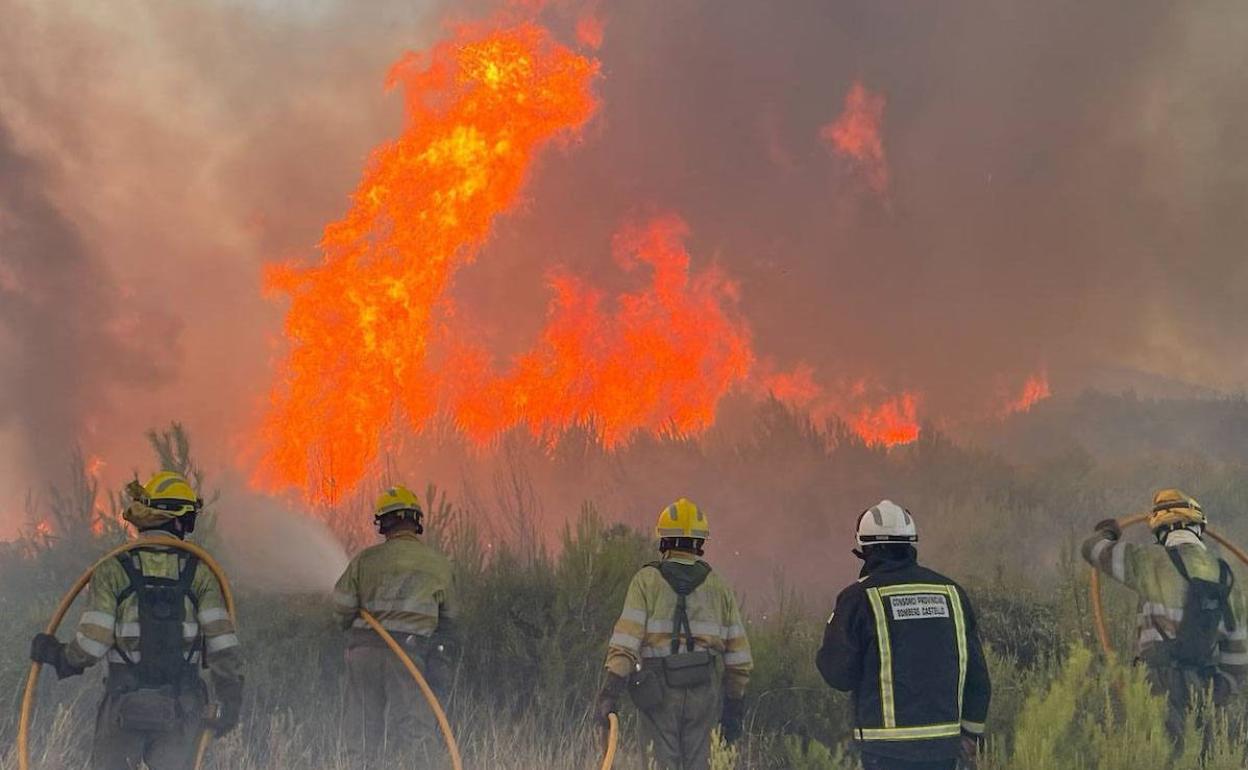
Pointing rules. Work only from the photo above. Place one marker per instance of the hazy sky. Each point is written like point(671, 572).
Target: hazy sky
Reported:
point(1067, 190)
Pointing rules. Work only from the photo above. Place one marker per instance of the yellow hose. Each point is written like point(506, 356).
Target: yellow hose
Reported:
point(451, 745)
point(32, 679)
point(1098, 610)
point(613, 739)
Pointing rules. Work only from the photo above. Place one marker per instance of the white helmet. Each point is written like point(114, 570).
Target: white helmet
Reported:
point(886, 522)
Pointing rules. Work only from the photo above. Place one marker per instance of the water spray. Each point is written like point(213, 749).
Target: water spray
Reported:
point(1098, 610)
point(32, 679)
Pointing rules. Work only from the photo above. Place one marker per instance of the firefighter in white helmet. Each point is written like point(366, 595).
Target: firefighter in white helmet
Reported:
point(679, 648)
point(903, 640)
point(407, 585)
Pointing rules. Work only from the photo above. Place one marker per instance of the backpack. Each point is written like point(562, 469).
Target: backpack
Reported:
point(1205, 607)
point(162, 613)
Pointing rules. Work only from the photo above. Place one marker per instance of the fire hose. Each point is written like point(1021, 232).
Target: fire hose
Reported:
point(1098, 611)
point(451, 745)
point(32, 679)
point(613, 739)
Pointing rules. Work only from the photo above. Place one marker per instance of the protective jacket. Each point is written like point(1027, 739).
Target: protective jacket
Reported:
point(110, 625)
point(1149, 572)
point(645, 628)
point(903, 640)
point(403, 582)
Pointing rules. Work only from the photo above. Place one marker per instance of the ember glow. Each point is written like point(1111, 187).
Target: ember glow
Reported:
point(876, 416)
point(1034, 390)
point(892, 422)
point(855, 135)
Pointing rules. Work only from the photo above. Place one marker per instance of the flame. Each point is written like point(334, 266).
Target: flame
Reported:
point(362, 322)
point(856, 135)
point(892, 422)
point(658, 361)
point(878, 418)
point(1035, 389)
point(95, 465)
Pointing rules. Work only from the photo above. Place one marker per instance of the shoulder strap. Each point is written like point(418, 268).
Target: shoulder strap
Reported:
point(1177, 561)
point(683, 586)
point(134, 572)
point(186, 578)
point(1226, 578)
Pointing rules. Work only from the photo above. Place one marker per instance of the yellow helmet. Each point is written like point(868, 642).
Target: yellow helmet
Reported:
point(167, 495)
point(1174, 508)
point(682, 518)
point(397, 498)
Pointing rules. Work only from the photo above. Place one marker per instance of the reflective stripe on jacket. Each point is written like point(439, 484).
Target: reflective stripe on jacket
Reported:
point(403, 582)
point(1147, 570)
point(904, 640)
point(109, 627)
point(644, 629)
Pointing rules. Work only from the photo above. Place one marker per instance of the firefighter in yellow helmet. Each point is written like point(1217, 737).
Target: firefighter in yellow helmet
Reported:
point(679, 648)
point(406, 584)
point(159, 616)
point(1193, 627)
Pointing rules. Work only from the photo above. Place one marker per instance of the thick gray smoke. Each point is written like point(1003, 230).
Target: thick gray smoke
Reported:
point(1067, 183)
point(68, 334)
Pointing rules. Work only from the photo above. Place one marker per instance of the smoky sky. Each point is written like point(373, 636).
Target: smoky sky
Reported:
point(65, 327)
point(1067, 184)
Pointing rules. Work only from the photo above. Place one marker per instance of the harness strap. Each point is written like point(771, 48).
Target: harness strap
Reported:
point(683, 587)
point(187, 565)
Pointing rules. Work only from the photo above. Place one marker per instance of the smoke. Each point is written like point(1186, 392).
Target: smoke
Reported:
point(1066, 184)
point(275, 548)
point(66, 327)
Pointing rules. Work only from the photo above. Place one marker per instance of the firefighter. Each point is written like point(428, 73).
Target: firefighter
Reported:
point(903, 640)
point(679, 648)
point(159, 616)
point(406, 584)
point(1186, 652)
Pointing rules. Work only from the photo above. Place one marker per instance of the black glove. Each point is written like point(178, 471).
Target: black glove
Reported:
point(608, 702)
point(229, 694)
point(47, 649)
point(732, 721)
point(1109, 527)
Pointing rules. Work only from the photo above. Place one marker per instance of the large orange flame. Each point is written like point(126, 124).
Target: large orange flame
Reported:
point(361, 322)
point(855, 135)
point(373, 345)
point(659, 361)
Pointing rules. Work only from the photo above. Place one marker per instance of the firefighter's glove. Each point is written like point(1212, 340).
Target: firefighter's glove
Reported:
point(47, 649)
point(969, 754)
point(608, 702)
point(1110, 528)
point(230, 704)
point(732, 721)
